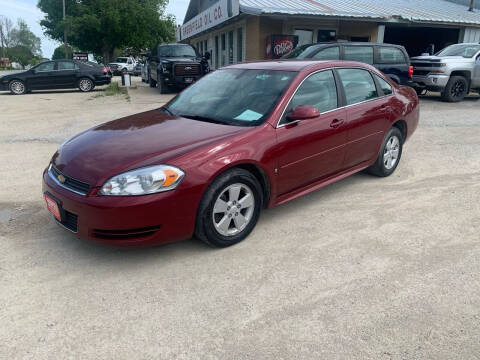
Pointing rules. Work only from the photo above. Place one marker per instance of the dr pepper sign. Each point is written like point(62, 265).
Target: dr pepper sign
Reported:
point(280, 45)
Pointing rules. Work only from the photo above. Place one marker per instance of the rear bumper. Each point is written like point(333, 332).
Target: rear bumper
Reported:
point(130, 221)
point(103, 80)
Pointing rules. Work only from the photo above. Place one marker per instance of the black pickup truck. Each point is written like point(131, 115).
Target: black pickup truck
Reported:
point(175, 65)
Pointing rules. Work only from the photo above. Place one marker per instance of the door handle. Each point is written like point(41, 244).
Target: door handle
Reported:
point(336, 123)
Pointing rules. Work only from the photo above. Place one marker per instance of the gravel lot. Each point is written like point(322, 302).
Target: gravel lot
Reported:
point(366, 268)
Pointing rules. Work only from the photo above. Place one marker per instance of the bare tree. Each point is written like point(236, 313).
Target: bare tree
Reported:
point(6, 26)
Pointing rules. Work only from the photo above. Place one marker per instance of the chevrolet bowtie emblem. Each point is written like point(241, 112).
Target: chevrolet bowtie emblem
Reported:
point(188, 68)
point(61, 178)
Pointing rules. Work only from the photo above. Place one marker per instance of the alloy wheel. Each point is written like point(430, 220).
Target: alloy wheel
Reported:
point(391, 152)
point(17, 87)
point(458, 89)
point(85, 85)
point(233, 209)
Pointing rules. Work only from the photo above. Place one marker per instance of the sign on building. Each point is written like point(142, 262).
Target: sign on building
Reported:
point(213, 16)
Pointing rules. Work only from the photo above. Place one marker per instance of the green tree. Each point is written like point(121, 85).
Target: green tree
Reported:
point(21, 54)
point(101, 26)
point(60, 53)
point(23, 37)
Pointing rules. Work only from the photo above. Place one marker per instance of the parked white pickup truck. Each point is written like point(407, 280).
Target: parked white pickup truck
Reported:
point(454, 71)
point(122, 65)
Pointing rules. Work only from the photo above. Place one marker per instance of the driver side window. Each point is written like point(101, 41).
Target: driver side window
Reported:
point(318, 90)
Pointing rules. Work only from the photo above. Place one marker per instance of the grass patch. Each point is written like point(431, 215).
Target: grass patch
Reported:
point(113, 89)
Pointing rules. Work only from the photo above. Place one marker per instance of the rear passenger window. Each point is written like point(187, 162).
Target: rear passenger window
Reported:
point(359, 53)
point(386, 87)
point(66, 65)
point(390, 55)
point(358, 84)
point(331, 53)
point(318, 90)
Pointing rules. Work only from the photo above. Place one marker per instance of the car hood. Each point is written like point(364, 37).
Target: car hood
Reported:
point(434, 58)
point(143, 139)
point(181, 59)
point(118, 64)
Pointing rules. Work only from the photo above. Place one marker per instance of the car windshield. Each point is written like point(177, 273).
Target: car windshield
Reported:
point(242, 97)
point(176, 51)
point(301, 52)
point(121, 60)
point(465, 50)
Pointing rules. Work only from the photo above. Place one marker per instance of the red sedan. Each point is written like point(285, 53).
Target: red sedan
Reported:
point(243, 138)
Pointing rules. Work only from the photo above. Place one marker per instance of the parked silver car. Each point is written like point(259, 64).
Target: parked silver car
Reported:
point(454, 71)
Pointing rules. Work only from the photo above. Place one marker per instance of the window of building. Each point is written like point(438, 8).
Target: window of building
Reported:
point(358, 84)
point(385, 86)
point(216, 52)
point(359, 53)
point(391, 55)
point(230, 47)
point(304, 36)
point(224, 41)
point(239, 45)
point(326, 35)
point(330, 53)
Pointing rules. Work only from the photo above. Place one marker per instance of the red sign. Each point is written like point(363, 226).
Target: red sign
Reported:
point(280, 45)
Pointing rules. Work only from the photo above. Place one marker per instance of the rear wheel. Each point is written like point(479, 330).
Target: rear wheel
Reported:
point(85, 85)
point(456, 89)
point(390, 154)
point(17, 87)
point(229, 209)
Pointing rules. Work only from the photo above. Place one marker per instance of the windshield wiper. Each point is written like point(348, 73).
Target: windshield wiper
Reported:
point(201, 118)
point(169, 112)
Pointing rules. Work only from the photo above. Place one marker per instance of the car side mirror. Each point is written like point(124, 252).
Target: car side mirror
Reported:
point(303, 112)
point(207, 55)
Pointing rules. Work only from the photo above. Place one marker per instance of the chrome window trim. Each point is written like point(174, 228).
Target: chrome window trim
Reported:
point(338, 108)
point(63, 185)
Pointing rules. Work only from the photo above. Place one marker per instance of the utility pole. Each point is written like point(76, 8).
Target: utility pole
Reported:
point(64, 32)
point(472, 5)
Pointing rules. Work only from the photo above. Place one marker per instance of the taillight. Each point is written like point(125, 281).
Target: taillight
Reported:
point(410, 71)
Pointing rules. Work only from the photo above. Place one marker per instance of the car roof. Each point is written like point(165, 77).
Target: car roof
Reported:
point(295, 65)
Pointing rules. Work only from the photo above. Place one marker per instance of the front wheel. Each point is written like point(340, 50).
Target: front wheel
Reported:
point(390, 154)
point(17, 87)
point(162, 87)
point(151, 82)
point(456, 89)
point(86, 85)
point(229, 209)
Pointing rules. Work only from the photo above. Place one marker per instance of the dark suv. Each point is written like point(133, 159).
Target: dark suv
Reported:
point(392, 60)
point(175, 65)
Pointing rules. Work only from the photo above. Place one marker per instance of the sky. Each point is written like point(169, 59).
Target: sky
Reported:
point(27, 10)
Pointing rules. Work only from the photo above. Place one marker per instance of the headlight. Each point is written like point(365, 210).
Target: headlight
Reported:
point(148, 180)
point(165, 67)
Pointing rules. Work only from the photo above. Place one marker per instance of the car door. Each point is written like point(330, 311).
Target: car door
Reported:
point(368, 113)
point(41, 77)
point(66, 76)
point(311, 149)
point(392, 62)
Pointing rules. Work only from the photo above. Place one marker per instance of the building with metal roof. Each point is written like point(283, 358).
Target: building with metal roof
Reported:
point(239, 30)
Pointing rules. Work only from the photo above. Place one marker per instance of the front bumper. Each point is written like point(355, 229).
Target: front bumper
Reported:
point(130, 221)
point(180, 80)
point(430, 81)
point(4, 86)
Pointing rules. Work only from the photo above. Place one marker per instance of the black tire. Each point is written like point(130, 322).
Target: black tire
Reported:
point(380, 168)
point(420, 91)
point(151, 82)
point(205, 229)
point(17, 87)
point(456, 89)
point(85, 85)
